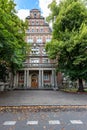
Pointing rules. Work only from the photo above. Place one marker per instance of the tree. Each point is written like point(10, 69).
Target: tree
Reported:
point(12, 38)
point(69, 41)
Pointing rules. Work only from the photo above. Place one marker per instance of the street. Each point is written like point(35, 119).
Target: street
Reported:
point(43, 120)
point(41, 97)
point(42, 110)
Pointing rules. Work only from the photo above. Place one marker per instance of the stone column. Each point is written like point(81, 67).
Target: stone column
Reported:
point(25, 80)
point(42, 79)
point(53, 79)
point(39, 78)
point(14, 85)
point(17, 79)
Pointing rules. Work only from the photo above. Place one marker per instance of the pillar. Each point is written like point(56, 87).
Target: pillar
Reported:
point(39, 78)
point(17, 79)
point(56, 81)
point(25, 80)
point(53, 79)
point(42, 79)
point(14, 85)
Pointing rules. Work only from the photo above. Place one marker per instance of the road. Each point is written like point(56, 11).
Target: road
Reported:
point(41, 97)
point(43, 120)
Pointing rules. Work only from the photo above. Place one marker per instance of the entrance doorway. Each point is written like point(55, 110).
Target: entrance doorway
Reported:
point(34, 81)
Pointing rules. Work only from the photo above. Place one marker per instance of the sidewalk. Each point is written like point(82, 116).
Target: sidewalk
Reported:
point(33, 97)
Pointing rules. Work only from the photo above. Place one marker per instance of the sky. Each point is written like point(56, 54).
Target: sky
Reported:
point(24, 6)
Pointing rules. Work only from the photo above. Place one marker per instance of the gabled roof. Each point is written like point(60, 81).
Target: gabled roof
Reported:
point(35, 10)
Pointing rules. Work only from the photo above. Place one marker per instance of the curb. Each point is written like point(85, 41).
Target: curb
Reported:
point(47, 108)
point(73, 92)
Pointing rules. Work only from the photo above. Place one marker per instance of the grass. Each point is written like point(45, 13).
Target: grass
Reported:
point(72, 90)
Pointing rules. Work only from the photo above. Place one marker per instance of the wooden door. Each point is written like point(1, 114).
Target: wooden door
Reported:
point(34, 82)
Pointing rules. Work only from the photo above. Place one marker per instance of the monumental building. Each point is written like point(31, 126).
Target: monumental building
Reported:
point(38, 71)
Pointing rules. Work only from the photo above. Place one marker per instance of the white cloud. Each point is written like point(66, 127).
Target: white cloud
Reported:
point(43, 4)
point(23, 13)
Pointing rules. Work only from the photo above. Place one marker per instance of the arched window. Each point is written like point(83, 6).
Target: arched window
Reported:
point(39, 40)
point(30, 40)
point(35, 15)
point(35, 51)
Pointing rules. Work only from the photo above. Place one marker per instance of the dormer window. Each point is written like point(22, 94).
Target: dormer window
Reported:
point(41, 29)
point(35, 15)
point(32, 30)
point(37, 23)
point(32, 22)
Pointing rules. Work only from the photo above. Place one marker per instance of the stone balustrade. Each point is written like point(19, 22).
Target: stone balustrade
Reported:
point(38, 65)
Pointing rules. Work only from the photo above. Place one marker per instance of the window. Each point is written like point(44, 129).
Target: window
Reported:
point(32, 60)
point(46, 76)
point(32, 22)
point(44, 51)
point(35, 15)
point(39, 40)
point(30, 40)
point(28, 30)
point(37, 29)
point(21, 77)
point(45, 60)
point(32, 30)
point(41, 29)
point(35, 51)
point(37, 22)
point(48, 39)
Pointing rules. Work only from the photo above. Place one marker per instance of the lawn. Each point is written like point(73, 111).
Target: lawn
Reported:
point(72, 90)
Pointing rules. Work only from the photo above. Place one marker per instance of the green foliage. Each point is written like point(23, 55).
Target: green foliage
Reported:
point(12, 36)
point(69, 41)
point(3, 70)
point(55, 9)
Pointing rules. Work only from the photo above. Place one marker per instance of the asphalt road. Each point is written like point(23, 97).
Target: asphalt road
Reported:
point(40, 120)
point(29, 97)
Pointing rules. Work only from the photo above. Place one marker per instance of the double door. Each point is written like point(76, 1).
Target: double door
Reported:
point(34, 82)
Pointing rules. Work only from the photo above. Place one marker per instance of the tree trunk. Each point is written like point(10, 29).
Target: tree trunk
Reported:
point(81, 88)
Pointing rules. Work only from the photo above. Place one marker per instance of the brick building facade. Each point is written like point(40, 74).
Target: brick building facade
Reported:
point(39, 71)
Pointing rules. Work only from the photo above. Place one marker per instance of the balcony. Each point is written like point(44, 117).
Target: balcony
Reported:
point(38, 65)
point(35, 32)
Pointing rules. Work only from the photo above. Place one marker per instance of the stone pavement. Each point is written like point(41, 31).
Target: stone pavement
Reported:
point(41, 97)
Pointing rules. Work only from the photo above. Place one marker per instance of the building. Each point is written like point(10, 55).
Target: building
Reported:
point(39, 71)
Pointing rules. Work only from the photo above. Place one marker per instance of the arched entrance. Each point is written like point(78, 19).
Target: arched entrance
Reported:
point(34, 81)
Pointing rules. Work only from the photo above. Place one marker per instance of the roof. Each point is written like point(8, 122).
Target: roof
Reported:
point(35, 10)
point(27, 17)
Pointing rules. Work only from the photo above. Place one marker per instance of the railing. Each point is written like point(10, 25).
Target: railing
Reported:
point(37, 55)
point(37, 65)
point(37, 32)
